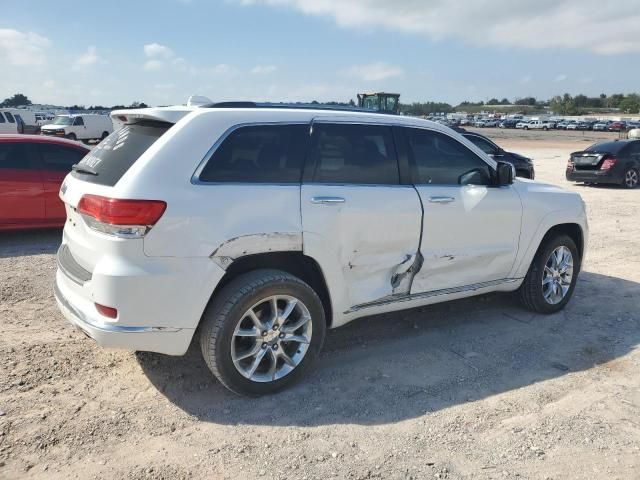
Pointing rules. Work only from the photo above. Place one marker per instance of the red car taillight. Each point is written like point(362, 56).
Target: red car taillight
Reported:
point(608, 163)
point(108, 312)
point(570, 164)
point(119, 217)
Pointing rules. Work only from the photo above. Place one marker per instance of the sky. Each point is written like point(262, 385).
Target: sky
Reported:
point(161, 51)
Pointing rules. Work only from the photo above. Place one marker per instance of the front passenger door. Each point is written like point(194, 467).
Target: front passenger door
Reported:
point(471, 228)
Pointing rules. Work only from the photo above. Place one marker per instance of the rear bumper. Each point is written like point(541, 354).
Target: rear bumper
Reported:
point(82, 314)
point(593, 176)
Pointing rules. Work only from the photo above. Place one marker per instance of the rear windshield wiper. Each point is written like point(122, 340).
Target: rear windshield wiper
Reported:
point(83, 169)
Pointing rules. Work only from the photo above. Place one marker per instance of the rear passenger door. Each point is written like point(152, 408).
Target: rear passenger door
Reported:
point(21, 190)
point(471, 227)
point(359, 221)
point(56, 162)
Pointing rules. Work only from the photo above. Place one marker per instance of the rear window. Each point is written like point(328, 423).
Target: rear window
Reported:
point(110, 160)
point(9, 117)
point(607, 147)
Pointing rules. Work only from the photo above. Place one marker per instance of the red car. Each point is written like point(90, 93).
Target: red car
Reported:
point(32, 168)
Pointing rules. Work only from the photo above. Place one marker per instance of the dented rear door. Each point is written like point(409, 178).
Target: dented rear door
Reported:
point(359, 222)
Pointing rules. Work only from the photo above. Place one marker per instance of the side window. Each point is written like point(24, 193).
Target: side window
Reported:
point(482, 144)
point(442, 160)
point(356, 154)
point(78, 121)
point(9, 117)
point(2, 118)
point(259, 154)
point(59, 158)
point(15, 156)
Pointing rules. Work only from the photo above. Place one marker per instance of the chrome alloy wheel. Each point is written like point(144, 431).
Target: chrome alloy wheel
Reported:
point(631, 178)
point(557, 276)
point(271, 338)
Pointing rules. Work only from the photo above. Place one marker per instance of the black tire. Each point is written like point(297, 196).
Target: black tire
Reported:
point(632, 182)
point(545, 128)
point(530, 291)
point(71, 136)
point(228, 307)
point(526, 128)
point(104, 135)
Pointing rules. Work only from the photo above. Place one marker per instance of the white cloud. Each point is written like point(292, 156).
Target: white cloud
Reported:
point(153, 65)
point(155, 50)
point(220, 69)
point(22, 49)
point(600, 27)
point(263, 69)
point(374, 71)
point(87, 59)
point(560, 78)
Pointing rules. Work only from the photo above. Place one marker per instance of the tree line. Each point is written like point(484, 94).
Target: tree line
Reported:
point(561, 104)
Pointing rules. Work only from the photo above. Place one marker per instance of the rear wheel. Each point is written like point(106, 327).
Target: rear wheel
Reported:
point(262, 331)
point(552, 276)
point(631, 178)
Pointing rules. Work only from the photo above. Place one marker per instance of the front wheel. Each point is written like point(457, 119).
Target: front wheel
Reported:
point(631, 178)
point(72, 136)
point(262, 332)
point(552, 276)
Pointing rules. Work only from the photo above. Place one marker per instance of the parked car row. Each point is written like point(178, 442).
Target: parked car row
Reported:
point(84, 127)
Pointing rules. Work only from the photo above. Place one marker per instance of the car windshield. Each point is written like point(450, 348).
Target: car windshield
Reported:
point(63, 121)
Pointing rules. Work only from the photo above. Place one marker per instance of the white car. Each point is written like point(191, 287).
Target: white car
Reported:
point(522, 124)
point(538, 125)
point(260, 227)
point(83, 127)
point(8, 122)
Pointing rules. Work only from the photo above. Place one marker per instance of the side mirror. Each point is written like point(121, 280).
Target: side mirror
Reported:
point(506, 173)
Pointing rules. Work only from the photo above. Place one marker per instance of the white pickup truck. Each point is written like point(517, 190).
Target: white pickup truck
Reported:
point(259, 227)
point(539, 125)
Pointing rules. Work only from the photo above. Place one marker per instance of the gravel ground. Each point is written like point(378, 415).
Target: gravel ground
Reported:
point(478, 388)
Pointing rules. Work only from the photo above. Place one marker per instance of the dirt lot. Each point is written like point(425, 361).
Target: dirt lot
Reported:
point(471, 389)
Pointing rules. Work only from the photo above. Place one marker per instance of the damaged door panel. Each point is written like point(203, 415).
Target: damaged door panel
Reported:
point(368, 245)
point(472, 239)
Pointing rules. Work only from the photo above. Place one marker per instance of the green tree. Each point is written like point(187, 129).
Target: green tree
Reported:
point(18, 100)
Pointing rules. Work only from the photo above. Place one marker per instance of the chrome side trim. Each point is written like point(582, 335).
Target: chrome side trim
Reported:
point(84, 323)
point(432, 293)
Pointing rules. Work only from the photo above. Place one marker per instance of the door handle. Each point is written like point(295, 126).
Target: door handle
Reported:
point(327, 200)
point(441, 199)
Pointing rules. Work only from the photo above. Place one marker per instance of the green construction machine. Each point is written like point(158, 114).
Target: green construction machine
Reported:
point(380, 102)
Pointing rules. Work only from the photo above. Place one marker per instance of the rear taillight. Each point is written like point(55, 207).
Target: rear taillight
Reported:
point(608, 163)
point(118, 217)
point(108, 312)
point(570, 164)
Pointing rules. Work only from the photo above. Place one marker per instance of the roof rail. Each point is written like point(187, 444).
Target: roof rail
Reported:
point(294, 106)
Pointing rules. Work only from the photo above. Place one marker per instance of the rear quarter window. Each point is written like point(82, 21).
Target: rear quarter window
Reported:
point(111, 159)
point(259, 154)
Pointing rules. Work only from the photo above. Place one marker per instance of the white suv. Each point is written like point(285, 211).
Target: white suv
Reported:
point(259, 228)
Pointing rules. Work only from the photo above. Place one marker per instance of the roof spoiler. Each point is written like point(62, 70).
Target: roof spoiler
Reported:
point(161, 114)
